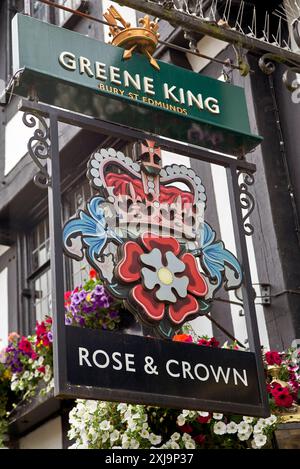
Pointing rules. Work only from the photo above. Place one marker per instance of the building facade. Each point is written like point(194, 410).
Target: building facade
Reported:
point(274, 252)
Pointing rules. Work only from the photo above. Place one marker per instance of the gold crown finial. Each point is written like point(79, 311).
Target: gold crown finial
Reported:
point(143, 39)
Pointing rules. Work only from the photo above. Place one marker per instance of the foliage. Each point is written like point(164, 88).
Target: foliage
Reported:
point(91, 306)
point(103, 425)
point(27, 364)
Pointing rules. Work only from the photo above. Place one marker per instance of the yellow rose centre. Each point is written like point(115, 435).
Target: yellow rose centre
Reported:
point(165, 276)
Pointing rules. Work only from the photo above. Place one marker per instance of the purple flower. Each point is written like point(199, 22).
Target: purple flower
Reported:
point(99, 290)
point(68, 321)
point(113, 314)
point(76, 299)
point(50, 336)
point(82, 295)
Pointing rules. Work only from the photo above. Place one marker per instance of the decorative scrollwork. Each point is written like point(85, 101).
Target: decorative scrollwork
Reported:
point(39, 147)
point(290, 82)
point(266, 63)
point(247, 200)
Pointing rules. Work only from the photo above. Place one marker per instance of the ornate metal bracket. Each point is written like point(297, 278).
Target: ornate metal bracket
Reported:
point(267, 66)
point(247, 200)
point(39, 147)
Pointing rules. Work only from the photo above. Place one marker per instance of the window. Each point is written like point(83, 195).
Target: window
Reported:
point(75, 201)
point(39, 265)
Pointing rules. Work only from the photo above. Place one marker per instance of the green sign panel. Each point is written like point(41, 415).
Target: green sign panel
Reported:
point(72, 71)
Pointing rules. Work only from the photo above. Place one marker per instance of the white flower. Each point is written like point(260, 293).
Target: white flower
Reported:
point(186, 437)
point(131, 424)
point(154, 439)
point(125, 444)
point(174, 445)
point(40, 361)
point(260, 440)
point(262, 422)
point(203, 414)
point(185, 412)
point(220, 428)
point(217, 416)
point(13, 385)
point(91, 406)
point(104, 425)
point(243, 427)
point(105, 436)
point(248, 419)
point(175, 436)
point(114, 436)
point(253, 445)
point(144, 433)
point(258, 428)
point(134, 444)
point(271, 420)
point(231, 427)
point(180, 420)
point(122, 407)
point(127, 414)
point(25, 375)
point(189, 444)
point(117, 447)
point(244, 436)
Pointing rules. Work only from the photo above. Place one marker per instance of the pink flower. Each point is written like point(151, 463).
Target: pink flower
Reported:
point(201, 419)
point(203, 342)
point(273, 358)
point(25, 346)
point(93, 274)
point(200, 439)
point(186, 428)
point(209, 343)
point(284, 399)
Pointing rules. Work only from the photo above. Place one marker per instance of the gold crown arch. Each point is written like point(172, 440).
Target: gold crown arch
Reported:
point(142, 39)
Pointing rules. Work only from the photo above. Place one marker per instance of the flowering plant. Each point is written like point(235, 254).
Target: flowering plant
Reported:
point(91, 306)
point(4, 395)
point(29, 360)
point(283, 380)
point(100, 425)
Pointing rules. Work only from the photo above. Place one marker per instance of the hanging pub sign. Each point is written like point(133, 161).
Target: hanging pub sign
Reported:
point(144, 229)
point(66, 69)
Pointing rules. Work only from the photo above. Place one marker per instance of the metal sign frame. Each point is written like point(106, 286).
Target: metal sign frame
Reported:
point(44, 146)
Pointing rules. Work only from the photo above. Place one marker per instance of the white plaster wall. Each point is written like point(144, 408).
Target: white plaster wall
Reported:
point(3, 308)
point(16, 139)
point(47, 436)
point(127, 13)
point(201, 325)
point(208, 46)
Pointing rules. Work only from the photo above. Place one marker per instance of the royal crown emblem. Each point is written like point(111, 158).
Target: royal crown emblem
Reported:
point(142, 39)
point(144, 232)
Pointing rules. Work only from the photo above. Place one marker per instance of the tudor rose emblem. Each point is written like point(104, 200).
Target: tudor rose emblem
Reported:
point(144, 231)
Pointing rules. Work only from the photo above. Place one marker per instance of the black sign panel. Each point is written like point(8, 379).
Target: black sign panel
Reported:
point(121, 367)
